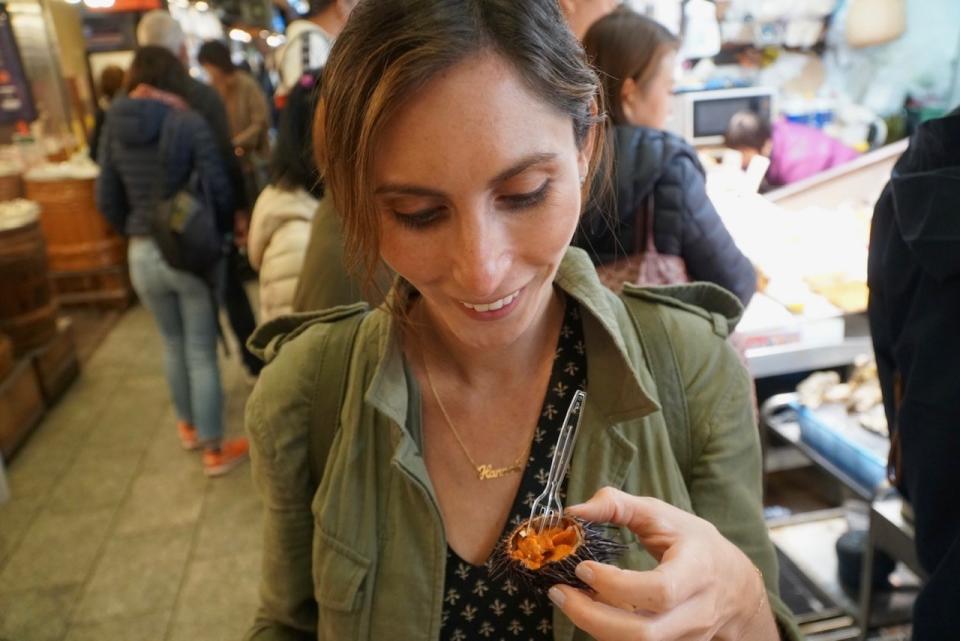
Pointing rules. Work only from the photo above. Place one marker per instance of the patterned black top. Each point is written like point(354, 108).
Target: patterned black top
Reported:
point(476, 606)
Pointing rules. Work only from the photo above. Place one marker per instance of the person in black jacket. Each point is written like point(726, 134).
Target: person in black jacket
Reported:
point(152, 146)
point(158, 28)
point(914, 278)
point(635, 56)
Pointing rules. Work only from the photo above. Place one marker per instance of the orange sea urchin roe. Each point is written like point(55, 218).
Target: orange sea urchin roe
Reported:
point(552, 545)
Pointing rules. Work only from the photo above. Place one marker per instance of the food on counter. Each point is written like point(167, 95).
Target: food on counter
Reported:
point(848, 295)
point(78, 167)
point(875, 420)
point(18, 209)
point(860, 395)
point(820, 388)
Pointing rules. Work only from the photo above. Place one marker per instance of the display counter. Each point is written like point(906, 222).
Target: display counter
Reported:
point(809, 243)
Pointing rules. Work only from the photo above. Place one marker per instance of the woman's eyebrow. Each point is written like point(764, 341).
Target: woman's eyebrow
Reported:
point(517, 168)
point(522, 165)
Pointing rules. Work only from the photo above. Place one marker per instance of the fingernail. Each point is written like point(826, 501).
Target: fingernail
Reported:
point(584, 573)
point(556, 596)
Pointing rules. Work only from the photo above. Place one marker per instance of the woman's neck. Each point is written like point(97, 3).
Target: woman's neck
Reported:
point(482, 366)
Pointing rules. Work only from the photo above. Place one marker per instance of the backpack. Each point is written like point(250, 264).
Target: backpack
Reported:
point(184, 226)
point(655, 341)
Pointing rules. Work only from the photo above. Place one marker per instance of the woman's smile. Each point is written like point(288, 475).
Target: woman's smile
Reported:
point(494, 310)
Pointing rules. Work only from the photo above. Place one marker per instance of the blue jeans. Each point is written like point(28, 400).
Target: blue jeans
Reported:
point(183, 307)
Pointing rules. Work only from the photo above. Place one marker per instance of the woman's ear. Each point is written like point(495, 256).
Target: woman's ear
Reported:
point(630, 100)
point(589, 143)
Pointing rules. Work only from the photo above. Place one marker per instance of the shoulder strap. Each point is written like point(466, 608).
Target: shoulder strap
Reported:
point(326, 410)
point(658, 350)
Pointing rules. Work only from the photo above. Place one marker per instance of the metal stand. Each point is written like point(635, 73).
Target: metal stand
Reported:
point(890, 533)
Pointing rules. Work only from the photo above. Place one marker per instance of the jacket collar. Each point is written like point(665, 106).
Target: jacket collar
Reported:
point(615, 390)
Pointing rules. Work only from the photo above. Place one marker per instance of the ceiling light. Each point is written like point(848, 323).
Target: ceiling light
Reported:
point(240, 35)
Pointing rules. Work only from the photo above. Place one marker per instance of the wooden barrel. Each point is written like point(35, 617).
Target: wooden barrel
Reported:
point(6, 356)
point(28, 314)
point(11, 186)
point(79, 239)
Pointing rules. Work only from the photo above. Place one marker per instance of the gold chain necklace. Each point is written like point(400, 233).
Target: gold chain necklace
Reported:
point(485, 472)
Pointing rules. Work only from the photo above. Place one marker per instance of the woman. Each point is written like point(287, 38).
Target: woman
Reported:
point(111, 84)
point(280, 224)
point(248, 113)
point(152, 145)
point(636, 57)
point(394, 448)
point(795, 151)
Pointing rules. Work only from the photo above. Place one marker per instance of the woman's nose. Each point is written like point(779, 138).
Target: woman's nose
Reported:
point(480, 256)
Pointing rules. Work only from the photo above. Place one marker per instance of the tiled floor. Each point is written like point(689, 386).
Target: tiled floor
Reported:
point(112, 531)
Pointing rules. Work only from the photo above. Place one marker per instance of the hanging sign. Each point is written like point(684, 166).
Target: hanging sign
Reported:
point(16, 101)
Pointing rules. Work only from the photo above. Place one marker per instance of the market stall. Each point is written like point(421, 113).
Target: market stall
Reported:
point(809, 244)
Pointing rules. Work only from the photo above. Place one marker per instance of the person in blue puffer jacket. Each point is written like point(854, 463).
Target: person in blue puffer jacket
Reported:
point(635, 57)
point(152, 145)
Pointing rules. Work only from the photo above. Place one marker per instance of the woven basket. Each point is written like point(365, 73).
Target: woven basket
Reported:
point(78, 236)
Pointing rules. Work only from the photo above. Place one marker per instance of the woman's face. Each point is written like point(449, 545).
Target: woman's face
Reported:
point(215, 74)
point(477, 188)
point(649, 106)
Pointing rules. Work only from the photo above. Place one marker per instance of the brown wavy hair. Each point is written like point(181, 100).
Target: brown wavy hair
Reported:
point(157, 67)
point(624, 44)
point(391, 48)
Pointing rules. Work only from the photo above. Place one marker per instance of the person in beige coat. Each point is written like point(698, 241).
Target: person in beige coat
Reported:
point(281, 221)
point(279, 232)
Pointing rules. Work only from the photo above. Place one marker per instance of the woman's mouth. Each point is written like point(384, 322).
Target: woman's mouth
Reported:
point(494, 309)
point(493, 306)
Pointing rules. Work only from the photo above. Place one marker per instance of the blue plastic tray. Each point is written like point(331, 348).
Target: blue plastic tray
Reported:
point(859, 454)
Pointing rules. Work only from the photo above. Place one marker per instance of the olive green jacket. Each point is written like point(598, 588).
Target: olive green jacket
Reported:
point(328, 281)
point(363, 556)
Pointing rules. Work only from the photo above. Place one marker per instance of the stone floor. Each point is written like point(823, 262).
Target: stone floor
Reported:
point(113, 532)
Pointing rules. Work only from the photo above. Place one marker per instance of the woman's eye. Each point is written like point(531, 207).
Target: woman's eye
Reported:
point(418, 219)
point(529, 199)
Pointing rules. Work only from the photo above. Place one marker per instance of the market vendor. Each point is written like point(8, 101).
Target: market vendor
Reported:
point(795, 151)
point(395, 448)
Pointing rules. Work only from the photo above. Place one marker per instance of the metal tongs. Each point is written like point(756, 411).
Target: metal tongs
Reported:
point(547, 506)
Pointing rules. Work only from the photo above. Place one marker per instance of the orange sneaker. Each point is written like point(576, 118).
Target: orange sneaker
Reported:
point(232, 453)
point(188, 436)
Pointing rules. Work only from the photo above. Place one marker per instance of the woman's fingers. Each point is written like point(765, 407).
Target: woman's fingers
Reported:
point(689, 621)
point(610, 505)
point(676, 580)
point(601, 621)
point(655, 522)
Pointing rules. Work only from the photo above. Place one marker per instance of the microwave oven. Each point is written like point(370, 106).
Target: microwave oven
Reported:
point(701, 117)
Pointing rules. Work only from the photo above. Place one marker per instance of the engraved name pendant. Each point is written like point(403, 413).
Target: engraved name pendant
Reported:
point(487, 472)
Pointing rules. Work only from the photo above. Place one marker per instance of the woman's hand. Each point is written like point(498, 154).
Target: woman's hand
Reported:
point(703, 588)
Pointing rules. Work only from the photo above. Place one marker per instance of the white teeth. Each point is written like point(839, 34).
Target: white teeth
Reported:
point(494, 306)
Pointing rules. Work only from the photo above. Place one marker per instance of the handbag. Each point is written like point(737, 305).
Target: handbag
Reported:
point(184, 226)
point(646, 266)
point(185, 230)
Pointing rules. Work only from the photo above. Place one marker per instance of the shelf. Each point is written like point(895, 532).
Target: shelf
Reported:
point(801, 357)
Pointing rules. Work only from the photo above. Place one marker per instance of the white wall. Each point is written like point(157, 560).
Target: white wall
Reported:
point(922, 62)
